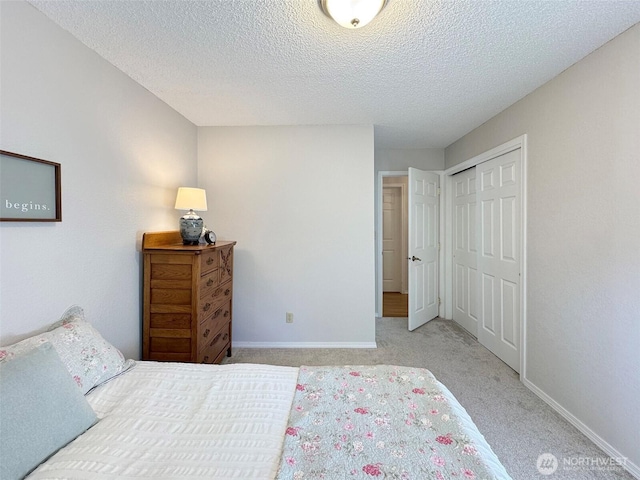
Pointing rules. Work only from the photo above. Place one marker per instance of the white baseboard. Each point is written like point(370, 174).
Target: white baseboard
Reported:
point(628, 465)
point(305, 345)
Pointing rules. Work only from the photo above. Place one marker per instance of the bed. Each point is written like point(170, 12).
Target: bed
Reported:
point(239, 421)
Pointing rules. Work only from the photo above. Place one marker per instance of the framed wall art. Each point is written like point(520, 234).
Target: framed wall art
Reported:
point(29, 189)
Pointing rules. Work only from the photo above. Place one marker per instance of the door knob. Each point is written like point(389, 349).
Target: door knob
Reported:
point(414, 258)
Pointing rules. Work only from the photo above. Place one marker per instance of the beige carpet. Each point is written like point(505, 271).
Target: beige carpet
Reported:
point(517, 424)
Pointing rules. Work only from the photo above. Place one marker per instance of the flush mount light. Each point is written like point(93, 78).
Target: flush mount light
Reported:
point(352, 13)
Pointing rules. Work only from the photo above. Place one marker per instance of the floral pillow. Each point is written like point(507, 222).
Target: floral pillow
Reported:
point(90, 359)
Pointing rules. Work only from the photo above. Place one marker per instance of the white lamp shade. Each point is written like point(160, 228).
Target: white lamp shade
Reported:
point(191, 199)
point(352, 13)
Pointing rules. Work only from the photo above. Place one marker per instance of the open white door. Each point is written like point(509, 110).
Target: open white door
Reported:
point(424, 194)
point(499, 230)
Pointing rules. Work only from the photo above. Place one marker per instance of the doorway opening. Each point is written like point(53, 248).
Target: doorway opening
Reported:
point(421, 243)
point(394, 247)
point(390, 179)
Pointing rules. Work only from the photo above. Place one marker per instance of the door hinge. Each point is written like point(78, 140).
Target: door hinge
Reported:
point(438, 246)
point(439, 301)
point(438, 191)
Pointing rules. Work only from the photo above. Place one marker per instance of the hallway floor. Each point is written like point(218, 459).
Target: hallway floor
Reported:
point(395, 304)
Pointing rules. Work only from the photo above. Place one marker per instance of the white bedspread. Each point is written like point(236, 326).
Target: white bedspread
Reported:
point(200, 421)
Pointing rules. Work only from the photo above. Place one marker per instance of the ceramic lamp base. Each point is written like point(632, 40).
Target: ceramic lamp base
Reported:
point(191, 228)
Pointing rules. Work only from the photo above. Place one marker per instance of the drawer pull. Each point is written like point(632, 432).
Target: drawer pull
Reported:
point(227, 292)
point(226, 335)
point(205, 359)
point(226, 313)
point(215, 339)
point(209, 282)
point(206, 333)
point(217, 292)
point(209, 260)
point(217, 314)
point(206, 307)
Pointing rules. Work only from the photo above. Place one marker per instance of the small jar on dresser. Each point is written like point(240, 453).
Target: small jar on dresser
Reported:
point(187, 295)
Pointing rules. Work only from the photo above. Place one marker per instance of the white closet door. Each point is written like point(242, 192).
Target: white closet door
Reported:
point(465, 251)
point(499, 229)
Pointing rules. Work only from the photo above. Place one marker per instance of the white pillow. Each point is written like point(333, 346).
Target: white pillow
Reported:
point(89, 358)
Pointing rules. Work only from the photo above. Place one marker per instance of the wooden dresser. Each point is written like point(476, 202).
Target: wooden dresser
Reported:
point(187, 299)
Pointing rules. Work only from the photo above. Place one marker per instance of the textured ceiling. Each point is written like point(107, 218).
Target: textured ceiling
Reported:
point(425, 72)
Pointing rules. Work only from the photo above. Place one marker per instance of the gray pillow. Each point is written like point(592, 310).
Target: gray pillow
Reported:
point(42, 409)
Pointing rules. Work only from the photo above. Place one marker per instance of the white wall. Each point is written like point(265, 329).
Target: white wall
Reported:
point(401, 159)
point(123, 154)
point(299, 202)
point(583, 301)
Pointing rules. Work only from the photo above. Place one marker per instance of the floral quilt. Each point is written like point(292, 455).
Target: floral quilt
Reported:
point(376, 422)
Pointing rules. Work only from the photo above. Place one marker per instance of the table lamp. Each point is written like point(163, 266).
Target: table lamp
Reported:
point(190, 223)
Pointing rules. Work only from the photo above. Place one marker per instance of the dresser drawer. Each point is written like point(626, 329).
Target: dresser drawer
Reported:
point(214, 348)
point(213, 300)
point(213, 324)
point(222, 313)
point(208, 282)
point(208, 261)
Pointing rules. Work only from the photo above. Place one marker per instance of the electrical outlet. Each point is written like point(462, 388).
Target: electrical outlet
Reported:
point(289, 317)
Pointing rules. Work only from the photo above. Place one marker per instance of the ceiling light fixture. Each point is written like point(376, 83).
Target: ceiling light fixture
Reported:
point(352, 13)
